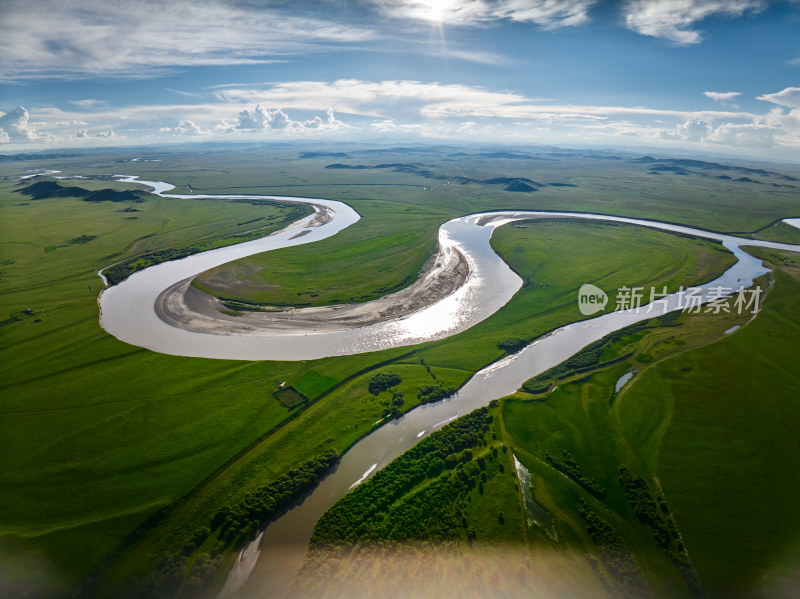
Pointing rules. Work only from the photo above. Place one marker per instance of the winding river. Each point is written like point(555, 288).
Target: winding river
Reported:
point(267, 567)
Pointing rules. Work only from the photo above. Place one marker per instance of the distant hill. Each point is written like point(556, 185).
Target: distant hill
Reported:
point(13, 157)
point(348, 166)
point(52, 189)
point(680, 165)
point(510, 181)
point(520, 186)
point(324, 155)
point(111, 195)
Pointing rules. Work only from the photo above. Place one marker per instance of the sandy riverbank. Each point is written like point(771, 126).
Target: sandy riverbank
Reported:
point(192, 309)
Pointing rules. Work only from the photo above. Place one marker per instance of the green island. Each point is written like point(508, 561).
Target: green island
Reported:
point(160, 468)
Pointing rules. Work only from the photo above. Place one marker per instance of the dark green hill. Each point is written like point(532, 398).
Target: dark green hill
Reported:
point(520, 186)
point(111, 195)
point(52, 189)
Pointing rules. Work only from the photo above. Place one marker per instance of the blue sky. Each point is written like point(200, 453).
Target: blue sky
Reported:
point(711, 76)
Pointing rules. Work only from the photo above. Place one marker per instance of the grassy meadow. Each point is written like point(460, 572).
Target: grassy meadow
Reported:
point(124, 453)
point(703, 436)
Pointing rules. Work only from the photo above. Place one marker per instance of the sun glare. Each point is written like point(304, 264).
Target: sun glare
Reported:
point(434, 11)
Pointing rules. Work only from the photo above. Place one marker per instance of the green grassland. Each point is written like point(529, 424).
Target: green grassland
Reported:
point(597, 184)
point(703, 433)
point(613, 184)
point(99, 436)
point(396, 238)
point(725, 447)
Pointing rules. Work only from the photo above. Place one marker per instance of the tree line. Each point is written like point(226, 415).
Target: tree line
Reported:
point(185, 575)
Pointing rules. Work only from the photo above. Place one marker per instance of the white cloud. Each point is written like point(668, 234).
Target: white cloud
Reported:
point(722, 97)
point(546, 13)
point(184, 127)
point(183, 93)
point(408, 100)
point(143, 37)
point(262, 118)
point(106, 133)
point(389, 126)
point(747, 135)
point(789, 97)
point(674, 19)
point(368, 98)
point(334, 123)
point(88, 103)
point(188, 127)
point(15, 126)
point(693, 130)
point(305, 109)
point(471, 55)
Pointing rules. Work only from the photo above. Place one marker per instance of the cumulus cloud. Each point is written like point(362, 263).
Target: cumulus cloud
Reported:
point(184, 127)
point(188, 128)
point(546, 13)
point(83, 133)
point(334, 123)
point(673, 20)
point(744, 135)
point(314, 123)
point(106, 133)
point(722, 97)
point(693, 130)
point(260, 119)
point(789, 97)
point(15, 126)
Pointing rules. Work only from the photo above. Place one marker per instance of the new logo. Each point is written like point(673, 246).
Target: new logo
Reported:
point(591, 299)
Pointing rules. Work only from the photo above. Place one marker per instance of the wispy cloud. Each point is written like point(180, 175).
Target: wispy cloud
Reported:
point(367, 98)
point(425, 109)
point(789, 97)
point(674, 20)
point(545, 13)
point(140, 37)
point(722, 97)
point(183, 93)
point(88, 103)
